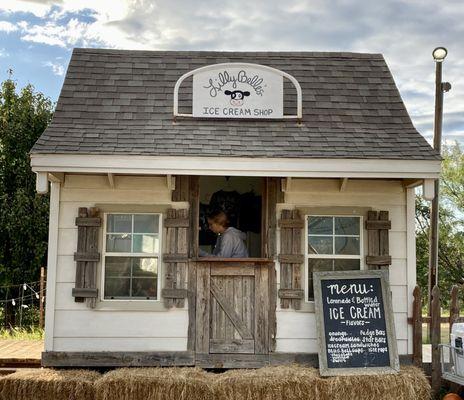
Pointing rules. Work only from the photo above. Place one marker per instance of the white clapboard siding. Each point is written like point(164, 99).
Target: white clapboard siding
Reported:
point(296, 330)
point(398, 271)
point(120, 344)
point(399, 298)
point(296, 325)
point(66, 271)
point(332, 199)
point(93, 324)
point(297, 346)
point(401, 325)
point(78, 328)
point(117, 196)
point(67, 241)
point(69, 211)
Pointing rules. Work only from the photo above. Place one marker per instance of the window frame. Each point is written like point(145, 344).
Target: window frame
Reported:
point(308, 255)
point(158, 256)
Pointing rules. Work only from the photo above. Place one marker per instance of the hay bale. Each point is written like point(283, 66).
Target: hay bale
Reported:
point(290, 382)
point(49, 384)
point(155, 384)
point(294, 382)
point(410, 383)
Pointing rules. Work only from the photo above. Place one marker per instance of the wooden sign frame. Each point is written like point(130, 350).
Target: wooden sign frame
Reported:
point(394, 366)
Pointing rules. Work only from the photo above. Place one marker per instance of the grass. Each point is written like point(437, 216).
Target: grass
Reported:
point(22, 334)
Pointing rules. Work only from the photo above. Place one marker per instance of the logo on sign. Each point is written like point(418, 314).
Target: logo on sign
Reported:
point(237, 91)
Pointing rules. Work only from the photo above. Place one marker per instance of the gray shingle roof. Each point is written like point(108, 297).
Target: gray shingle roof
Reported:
point(120, 102)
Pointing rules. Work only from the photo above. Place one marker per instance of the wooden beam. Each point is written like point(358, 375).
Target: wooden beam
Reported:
point(174, 293)
point(171, 182)
point(56, 177)
point(291, 293)
point(111, 180)
point(286, 184)
point(117, 359)
point(343, 184)
point(412, 183)
point(429, 189)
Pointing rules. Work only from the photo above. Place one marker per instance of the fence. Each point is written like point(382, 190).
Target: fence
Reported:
point(23, 304)
point(434, 322)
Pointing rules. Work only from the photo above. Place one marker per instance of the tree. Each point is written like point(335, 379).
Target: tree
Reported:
point(23, 213)
point(451, 226)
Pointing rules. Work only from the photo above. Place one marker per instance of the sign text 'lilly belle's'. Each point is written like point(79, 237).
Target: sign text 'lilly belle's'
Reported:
point(237, 91)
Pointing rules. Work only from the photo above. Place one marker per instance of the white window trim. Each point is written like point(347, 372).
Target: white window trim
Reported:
point(361, 257)
point(154, 255)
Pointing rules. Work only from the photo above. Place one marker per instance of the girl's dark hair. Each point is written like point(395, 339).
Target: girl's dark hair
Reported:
point(219, 217)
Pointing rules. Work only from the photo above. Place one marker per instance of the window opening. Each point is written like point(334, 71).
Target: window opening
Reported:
point(333, 243)
point(131, 256)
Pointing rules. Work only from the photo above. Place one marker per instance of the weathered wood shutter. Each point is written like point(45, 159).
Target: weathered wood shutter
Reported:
point(377, 226)
point(175, 258)
point(291, 259)
point(87, 256)
point(273, 195)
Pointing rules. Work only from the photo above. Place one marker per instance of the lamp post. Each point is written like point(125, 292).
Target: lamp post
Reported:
point(439, 55)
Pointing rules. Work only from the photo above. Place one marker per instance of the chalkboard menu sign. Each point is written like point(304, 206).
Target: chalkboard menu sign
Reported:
point(355, 323)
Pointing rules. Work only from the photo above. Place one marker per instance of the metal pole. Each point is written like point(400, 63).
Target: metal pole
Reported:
point(433, 242)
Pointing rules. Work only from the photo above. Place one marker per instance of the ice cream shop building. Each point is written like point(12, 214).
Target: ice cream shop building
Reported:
point(312, 156)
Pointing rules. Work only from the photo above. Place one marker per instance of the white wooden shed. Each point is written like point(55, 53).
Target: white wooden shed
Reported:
point(133, 166)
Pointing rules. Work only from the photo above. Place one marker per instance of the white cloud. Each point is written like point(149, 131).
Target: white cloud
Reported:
point(8, 27)
point(57, 68)
point(405, 31)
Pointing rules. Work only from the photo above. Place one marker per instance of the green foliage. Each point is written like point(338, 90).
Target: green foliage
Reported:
point(451, 226)
point(23, 213)
point(22, 334)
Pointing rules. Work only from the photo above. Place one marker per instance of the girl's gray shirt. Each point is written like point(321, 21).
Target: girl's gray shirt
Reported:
point(229, 244)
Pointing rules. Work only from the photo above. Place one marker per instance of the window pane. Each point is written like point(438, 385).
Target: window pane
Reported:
point(320, 245)
point(320, 225)
point(117, 287)
point(315, 265)
point(146, 244)
point(145, 267)
point(118, 243)
point(145, 223)
point(117, 266)
point(347, 225)
point(346, 245)
point(347, 265)
point(119, 223)
point(144, 287)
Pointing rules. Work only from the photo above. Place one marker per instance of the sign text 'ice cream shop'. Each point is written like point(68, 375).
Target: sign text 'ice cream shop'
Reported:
point(238, 90)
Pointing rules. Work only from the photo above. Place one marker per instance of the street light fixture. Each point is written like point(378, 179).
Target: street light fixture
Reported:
point(439, 54)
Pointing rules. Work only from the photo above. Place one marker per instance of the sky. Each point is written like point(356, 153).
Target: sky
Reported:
point(37, 38)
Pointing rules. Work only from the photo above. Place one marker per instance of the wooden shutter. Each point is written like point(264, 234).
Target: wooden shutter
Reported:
point(377, 226)
point(291, 259)
point(272, 195)
point(87, 256)
point(175, 258)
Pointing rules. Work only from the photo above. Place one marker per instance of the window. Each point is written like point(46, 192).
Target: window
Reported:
point(333, 243)
point(131, 256)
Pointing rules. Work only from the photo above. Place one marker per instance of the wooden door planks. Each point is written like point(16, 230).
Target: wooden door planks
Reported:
point(234, 313)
